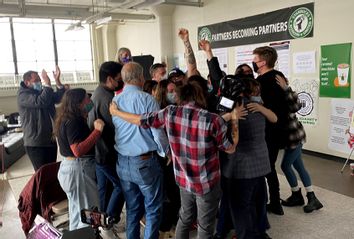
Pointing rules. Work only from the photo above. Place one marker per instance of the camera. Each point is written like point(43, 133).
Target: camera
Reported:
point(96, 219)
point(231, 88)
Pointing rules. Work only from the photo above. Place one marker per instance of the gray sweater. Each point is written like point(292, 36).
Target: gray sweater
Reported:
point(37, 111)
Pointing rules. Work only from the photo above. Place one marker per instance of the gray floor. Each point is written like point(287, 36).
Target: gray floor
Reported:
point(335, 190)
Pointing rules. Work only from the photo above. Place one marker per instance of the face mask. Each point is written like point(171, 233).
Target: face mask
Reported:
point(119, 86)
point(210, 88)
point(171, 98)
point(257, 99)
point(88, 107)
point(255, 67)
point(37, 86)
point(125, 59)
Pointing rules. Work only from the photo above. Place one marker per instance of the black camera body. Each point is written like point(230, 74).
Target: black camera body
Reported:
point(231, 89)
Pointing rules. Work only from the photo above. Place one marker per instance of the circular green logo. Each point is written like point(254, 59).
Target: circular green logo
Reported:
point(204, 34)
point(300, 22)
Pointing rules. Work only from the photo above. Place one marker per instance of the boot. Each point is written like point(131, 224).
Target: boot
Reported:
point(275, 207)
point(313, 203)
point(296, 199)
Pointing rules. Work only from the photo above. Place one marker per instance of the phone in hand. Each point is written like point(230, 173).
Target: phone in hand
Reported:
point(227, 103)
point(94, 218)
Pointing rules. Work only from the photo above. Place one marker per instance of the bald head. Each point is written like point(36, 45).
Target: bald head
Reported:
point(132, 73)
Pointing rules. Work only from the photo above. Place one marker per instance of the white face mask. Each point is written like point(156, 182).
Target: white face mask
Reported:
point(257, 99)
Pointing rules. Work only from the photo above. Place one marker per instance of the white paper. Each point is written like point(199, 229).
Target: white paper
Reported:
point(304, 62)
point(340, 137)
point(221, 54)
point(283, 62)
point(244, 54)
point(308, 93)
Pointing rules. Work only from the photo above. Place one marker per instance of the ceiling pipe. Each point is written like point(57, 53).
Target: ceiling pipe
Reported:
point(198, 3)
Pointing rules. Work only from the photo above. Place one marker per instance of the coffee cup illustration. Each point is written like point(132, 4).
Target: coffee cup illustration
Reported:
point(343, 72)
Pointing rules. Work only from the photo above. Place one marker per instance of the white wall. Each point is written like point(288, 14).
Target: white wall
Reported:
point(333, 24)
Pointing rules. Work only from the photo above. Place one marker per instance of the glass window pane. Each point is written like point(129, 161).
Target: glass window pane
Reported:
point(7, 67)
point(44, 50)
point(66, 50)
point(6, 51)
point(25, 50)
point(84, 65)
point(24, 66)
point(83, 50)
point(68, 66)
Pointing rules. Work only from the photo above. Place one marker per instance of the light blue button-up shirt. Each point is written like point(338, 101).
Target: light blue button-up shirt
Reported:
point(132, 140)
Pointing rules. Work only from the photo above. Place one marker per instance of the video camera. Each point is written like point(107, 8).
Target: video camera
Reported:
point(231, 88)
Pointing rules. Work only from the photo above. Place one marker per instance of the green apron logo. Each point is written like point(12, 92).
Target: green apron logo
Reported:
point(300, 22)
point(204, 34)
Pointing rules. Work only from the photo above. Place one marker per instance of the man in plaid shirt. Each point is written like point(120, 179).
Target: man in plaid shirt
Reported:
point(195, 136)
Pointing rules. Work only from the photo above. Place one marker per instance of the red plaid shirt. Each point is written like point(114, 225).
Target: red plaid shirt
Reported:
point(195, 136)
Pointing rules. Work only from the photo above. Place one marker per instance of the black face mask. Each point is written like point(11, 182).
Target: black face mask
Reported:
point(119, 86)
point(255, 67)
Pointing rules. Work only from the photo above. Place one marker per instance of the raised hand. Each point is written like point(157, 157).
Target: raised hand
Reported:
point(56, 75)
point(183, 34)
point(45, 77)
point(204, 45)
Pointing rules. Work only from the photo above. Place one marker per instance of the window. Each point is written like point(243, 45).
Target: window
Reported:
point(74, 52)
point(34, 47)
point(34, 44)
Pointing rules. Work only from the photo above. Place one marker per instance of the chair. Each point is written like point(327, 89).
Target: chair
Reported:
point(41, 195)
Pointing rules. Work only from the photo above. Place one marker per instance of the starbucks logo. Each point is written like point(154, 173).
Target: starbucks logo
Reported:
point(306, 102)
point(204, 34)
point(300, 22)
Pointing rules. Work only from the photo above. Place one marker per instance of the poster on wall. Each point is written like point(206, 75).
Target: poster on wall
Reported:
point(304, 62)
point(283, 62)
point(284, 24)
point(335, 73)
point(244, 54)
point(307, 90)
point(221, 54)
point(341, 134)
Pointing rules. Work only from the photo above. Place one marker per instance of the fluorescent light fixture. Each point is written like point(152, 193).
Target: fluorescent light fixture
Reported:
point(75, 27)
point(103, 20)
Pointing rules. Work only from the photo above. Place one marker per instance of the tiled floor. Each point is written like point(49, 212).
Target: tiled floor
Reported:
point(334, 189)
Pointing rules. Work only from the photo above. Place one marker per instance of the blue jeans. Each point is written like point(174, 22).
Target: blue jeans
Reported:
point(292, 157)
point(78, 180)
point(111, 201)
point(141, 181)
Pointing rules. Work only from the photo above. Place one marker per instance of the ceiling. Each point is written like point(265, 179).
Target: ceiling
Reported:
point(87, 11)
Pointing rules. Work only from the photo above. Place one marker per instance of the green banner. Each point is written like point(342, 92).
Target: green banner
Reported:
point(335, 77)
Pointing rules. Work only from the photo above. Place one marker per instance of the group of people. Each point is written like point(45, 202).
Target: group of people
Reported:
point(167, 148)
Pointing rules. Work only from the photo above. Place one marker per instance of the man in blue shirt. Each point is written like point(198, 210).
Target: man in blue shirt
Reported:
point(137, 165)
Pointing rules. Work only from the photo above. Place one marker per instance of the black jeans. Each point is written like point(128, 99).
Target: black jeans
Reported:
point(40, 156)
point(272, 177)
point(246, 198)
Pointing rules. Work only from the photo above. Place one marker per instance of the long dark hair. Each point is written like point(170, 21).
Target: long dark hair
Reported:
point(192, 91)
point(69, 107)
point(161, 93)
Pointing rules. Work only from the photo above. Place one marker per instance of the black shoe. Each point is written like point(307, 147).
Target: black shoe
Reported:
point(313, 203)
point(275, 208)
point(265, 236)
point(296, 199)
